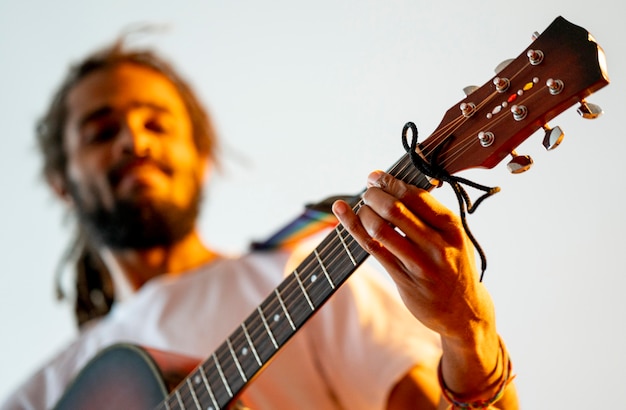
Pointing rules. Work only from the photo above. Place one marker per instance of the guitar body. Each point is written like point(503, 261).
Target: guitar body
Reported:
point(124, 376)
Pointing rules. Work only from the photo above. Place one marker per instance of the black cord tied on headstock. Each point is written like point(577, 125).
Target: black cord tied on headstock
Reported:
point(431, 168)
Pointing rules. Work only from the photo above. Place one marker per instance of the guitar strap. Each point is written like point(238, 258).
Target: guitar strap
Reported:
point(315, 218)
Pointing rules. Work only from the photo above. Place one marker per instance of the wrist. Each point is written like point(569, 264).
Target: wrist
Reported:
point(476, 388)
point(474, 348)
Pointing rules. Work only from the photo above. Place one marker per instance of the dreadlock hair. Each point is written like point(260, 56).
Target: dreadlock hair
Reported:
point(94, 287)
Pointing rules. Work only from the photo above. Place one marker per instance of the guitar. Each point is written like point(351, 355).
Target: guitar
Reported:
point(561, 67)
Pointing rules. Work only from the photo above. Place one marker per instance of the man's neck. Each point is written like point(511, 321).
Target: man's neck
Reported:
point(131, 269)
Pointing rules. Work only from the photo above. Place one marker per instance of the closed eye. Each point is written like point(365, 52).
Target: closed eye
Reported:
point(156, 126)
point(101, 132)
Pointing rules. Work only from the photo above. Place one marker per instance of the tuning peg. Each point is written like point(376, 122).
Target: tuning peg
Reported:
point(589, 111)
point(503, 64)
point(553, 137)
point(470, 89)
point(519, 163)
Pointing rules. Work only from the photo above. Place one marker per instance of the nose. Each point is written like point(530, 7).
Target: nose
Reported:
point(134, 140)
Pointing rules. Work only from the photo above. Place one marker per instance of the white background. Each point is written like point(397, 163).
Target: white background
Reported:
point(309, 98)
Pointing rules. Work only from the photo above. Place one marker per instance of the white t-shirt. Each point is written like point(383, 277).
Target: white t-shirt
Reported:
point(348, 356)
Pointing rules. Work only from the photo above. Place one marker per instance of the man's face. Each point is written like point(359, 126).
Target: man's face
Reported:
point(134, 173)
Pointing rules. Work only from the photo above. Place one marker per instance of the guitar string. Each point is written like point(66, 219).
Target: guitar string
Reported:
point(275, 308)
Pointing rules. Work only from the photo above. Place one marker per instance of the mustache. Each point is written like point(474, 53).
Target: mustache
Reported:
point(117, 172)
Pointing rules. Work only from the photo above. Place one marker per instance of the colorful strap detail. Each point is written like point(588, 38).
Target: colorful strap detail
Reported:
point(456, 403)
point(315, 218)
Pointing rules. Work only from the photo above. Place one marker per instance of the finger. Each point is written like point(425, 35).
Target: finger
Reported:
point(426, 209)
point(352, 223)
point(404, 260)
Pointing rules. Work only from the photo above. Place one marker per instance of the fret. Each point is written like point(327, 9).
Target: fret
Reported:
point(320, 290)
point(167, 404)
point(292, 297)
point(180, 400)
point(245, 357)
point(232, 352)
point(282, 305)
point(280, 326)
point(229, 367)
point(345, 246)
point(260, 338)
point(356, 250)
point(405, 171)
point(221, 373)
point(208, 389)
point(249, 339)
point(193, 394)
point(297, 275)
point(321, 263)
point(269, 332)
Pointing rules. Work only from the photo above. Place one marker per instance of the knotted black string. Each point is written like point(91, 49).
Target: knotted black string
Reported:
point(431, 168)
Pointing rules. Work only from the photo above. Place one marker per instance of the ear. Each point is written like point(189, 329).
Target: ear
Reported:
point(59, 186)
point(206, 168)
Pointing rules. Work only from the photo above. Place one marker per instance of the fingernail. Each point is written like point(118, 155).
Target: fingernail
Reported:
point(339, 208)
point(374, 178)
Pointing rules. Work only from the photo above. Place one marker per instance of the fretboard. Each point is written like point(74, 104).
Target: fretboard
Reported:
point(216, 382)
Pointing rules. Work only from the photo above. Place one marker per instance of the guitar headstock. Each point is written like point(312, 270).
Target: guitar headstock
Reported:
point(559, 69)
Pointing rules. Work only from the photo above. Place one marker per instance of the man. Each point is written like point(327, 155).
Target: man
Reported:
point(127, 146)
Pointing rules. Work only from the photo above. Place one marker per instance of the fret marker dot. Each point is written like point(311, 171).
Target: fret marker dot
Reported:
point(197, 379)
point(313, 278)
point(276, 317)
point(244, 351)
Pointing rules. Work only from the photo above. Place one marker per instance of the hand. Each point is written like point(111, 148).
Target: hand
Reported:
point(431, 260)
point(424, 248)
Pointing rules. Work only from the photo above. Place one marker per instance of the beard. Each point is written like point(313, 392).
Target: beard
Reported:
point(136, 224)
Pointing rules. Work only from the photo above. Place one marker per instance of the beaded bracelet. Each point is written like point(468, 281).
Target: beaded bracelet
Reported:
point(455, 403)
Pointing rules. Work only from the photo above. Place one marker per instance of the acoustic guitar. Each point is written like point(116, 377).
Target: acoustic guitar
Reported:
point(560, 68)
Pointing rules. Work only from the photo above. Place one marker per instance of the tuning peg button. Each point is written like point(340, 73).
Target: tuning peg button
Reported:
point(470, 89)
point(519, 112)
point(553, 137)
point(535, 57)
point(502, 84)
point(503, 64)
point(589, 111)
point(519, 163)
point(467, 109)
point(554, 86)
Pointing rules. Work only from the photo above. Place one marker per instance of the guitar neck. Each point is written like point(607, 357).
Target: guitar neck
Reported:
point(216, 382)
